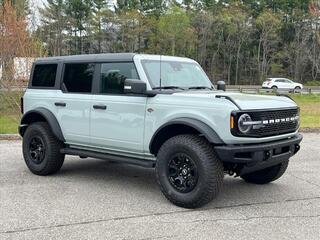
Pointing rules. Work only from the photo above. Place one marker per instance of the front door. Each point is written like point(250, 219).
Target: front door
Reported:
point(117, 120)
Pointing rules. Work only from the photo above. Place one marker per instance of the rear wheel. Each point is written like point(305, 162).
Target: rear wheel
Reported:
point(266, 175)
point(41, 149)
point(188, 171)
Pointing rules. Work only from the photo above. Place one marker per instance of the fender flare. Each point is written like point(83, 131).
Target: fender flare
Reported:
point(205, 130)
point(27, 119)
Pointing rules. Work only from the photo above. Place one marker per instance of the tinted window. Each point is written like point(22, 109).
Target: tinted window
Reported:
point(78, 77)
point(113, 75)
point(44, 75)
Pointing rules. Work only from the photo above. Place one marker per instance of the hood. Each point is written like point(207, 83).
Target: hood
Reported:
point(244, 101)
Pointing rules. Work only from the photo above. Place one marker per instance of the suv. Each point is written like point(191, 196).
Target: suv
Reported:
point(281, 83)
point(159, 112)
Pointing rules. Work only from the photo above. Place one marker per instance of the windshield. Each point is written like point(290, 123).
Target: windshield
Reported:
point(175, 74)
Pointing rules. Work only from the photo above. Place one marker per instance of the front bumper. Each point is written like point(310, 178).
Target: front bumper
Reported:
point(254, 157)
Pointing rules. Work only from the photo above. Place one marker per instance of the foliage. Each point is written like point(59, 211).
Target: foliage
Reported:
point(239, 41)
point(312, 83)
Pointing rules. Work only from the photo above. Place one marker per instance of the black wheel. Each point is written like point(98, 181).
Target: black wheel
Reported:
point(274, 88)
point(41, 149)
point(188, 171)
point(266, 175)
point(297, 89)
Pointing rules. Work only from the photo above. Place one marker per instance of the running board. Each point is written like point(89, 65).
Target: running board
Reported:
point(111, 157)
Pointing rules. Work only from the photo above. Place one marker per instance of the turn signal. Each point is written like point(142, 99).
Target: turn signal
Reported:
point(231, 122)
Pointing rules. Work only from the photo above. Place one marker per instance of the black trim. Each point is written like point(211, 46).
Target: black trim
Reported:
point(102, 57)
point(201, 127)
point(100, 107)
point(230, 99)
point(235, 132)
point(260, 155)
point(285, 95)
point(47, 115)
point(60, 104)
point(107, 156)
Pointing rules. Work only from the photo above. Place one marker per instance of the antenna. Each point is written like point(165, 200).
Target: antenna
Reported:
point(160, 72)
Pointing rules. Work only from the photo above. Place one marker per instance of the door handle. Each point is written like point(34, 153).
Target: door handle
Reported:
point(101, 107)
point(60, 104)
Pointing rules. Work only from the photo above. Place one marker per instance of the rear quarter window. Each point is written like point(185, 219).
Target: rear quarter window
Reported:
point(44, 75)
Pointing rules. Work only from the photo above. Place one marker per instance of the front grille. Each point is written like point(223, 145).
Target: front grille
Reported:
point(276, 128)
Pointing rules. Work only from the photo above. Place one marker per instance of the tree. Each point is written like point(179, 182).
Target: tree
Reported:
point(100, 12)
point(176, 36)
point(15, 41)
point(79, 13)
point(268, 25)
point(53, 22)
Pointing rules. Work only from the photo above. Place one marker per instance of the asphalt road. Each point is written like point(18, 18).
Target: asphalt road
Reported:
point(93, 199)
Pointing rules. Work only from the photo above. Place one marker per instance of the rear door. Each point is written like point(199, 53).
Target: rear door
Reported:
point(74, 101)
point(117, 119)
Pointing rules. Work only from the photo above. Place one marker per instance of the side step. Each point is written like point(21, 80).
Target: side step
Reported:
point(107, 156)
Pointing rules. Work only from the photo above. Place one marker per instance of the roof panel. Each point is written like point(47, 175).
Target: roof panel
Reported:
point(89, 58)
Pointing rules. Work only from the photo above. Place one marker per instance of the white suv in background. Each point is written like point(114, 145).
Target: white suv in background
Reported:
point(281, 83)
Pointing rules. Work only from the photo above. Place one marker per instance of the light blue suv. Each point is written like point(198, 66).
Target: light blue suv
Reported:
point(155, 111)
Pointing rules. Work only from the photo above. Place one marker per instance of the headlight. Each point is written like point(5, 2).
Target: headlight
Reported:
point(243, 121)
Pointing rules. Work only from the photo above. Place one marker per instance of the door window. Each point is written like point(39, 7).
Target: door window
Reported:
point(78, 77)
point(113, 75)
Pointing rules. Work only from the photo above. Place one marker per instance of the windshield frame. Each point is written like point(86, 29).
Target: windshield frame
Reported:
point(143, 62)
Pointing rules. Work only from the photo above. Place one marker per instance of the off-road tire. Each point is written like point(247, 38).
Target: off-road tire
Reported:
point(266, 175)
point(209, 167)
point(53, 159)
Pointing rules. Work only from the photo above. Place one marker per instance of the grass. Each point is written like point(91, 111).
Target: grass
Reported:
point(8, 124)
point(309, 110)
point(9, 111)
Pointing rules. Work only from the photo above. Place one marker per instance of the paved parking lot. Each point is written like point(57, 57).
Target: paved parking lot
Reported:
point(93, 199)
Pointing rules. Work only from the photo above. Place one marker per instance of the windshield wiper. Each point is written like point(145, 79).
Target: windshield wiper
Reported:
point(168, 87)
point(200, 87)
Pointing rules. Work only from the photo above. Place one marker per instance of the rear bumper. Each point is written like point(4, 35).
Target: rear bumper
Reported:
point(255, 157)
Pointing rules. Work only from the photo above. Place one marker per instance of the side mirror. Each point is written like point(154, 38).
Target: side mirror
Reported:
point(134, 86)
point(221, 85)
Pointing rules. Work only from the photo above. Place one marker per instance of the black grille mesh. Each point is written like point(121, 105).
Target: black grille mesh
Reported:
point(274, 128)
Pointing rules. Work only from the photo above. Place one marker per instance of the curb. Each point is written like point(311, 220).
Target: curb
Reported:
point(10, 137)
point(310, 130)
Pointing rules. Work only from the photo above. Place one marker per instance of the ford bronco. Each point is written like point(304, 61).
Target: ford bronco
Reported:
point(155, 111)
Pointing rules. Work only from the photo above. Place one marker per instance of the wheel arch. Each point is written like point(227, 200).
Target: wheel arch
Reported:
point(182, 126)
point(41, 115)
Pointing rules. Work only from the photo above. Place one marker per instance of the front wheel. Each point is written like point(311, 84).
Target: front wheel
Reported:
point(188, 171)
point(297, 89)
point(266, 175)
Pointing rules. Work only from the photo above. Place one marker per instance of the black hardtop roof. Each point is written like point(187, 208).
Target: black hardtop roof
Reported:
point(121, 57)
